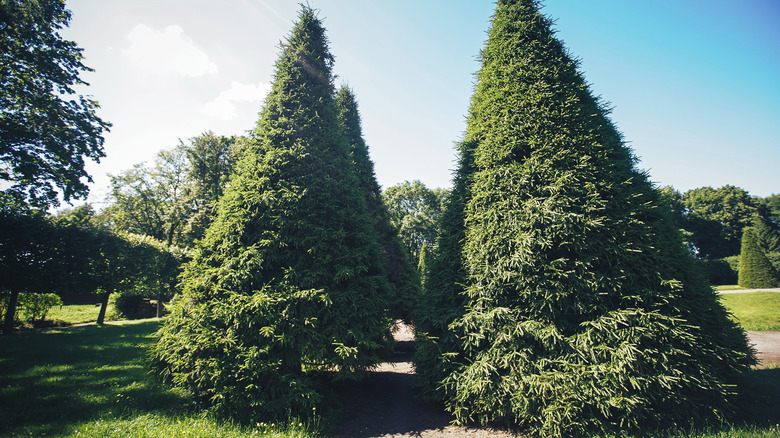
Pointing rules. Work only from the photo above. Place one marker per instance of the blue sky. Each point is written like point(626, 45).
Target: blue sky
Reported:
point(694, 83)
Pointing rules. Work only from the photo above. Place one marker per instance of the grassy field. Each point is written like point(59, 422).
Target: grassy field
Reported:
point(758, 311)
point(76, 313)
point(728, 287)
point(92, 381)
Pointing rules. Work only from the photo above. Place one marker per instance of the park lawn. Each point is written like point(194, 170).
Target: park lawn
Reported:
point(92, 381)
point(74, 314)
point(756, 311)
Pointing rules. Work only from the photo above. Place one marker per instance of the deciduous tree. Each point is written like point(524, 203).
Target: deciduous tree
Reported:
point(47, 130)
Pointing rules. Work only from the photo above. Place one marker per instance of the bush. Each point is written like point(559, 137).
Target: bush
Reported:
point(721, 271)
point(35, 306)
point(134, 305)
point(755, 269)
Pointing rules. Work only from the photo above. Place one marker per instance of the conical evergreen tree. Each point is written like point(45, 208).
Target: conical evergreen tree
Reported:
point(570, 305)
point(402, 277)
point(288, 282)
point(755, 269)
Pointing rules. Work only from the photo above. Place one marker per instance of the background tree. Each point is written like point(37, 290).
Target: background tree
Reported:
point(155, 201)
point(575, 304)
point(755, 269)
point(68, 254)
point(174, 199)
point(401, 275)
point(415, 211)
point(46, 129)
point(288, 283)
point(212, 159)
point(716, 218)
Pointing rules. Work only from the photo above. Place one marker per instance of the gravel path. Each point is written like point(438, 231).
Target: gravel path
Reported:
point(745, 291)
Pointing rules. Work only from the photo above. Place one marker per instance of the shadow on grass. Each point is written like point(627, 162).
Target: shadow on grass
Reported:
point(52, 380)
point(761, 403)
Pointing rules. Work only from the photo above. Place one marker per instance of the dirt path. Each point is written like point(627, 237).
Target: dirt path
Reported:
point(398, 413)
point(767, 344)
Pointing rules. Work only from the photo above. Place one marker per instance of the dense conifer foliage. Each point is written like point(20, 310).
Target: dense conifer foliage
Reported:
point(563, 300)
point(755, 269)
point(402, 276)
point(288, 283)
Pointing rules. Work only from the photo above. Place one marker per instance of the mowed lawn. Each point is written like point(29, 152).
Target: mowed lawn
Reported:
point(756, 311)
point(92, 381)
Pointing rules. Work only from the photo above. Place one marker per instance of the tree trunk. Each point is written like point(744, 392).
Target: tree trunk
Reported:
point(10, 313)
point(159, 301)
point(103, 307)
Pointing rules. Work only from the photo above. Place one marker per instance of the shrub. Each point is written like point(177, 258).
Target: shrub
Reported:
point(134, 305)
point(721, 271)
point(755, 269)
point(35, 306)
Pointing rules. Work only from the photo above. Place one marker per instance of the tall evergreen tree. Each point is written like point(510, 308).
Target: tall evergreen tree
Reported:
point(288, 282)
point(755, 269)
point(402, 276)
point(564, 301)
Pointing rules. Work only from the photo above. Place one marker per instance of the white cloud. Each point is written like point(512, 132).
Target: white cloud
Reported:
point(167, 52)
point(224, 104)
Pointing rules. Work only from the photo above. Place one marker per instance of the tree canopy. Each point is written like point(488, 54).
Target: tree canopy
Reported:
point(415, 212)
point(47, 130)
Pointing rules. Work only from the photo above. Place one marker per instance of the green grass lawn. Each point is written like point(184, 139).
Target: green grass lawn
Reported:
point(728, 287)
point(92, 381)
point(759, 311)
point(75, 314)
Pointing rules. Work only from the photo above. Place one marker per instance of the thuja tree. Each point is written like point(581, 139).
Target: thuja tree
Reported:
point(287, 287)
point(403, 278)
point(569, 306)
point(755, 269)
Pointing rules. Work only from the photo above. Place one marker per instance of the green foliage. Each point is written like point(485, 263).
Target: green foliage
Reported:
point(67, 254)
point(415, 212)
point(174, 199)
point(721, 271)
point(46, 130)
point(716, 218)
point(565, 302)
point(35, 306)
point(287, 287)
point(755, 269)
point(134, 305)
point(401, 275)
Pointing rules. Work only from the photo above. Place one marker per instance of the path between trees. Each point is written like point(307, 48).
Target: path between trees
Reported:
point(744, 291)
point(386, 403)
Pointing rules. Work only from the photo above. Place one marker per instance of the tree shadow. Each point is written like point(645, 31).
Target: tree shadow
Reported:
point(51, 381)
